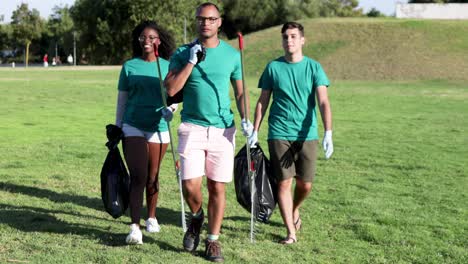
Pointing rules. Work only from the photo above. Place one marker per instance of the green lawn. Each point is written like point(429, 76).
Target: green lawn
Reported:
point(393, 192)
point(372, 49)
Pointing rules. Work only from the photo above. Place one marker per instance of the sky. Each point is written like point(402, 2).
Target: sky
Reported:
point(44, 7)
point(386, 7)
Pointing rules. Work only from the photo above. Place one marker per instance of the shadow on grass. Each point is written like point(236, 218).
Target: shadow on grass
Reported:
point(165, 216)
point(93, 203)
point(247, 220)
point(34, 219)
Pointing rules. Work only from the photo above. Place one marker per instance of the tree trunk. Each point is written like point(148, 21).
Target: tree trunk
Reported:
point(27, 52)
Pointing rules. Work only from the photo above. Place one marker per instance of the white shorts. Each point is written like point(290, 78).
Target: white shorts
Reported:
point(153, 137)
point(206, 151)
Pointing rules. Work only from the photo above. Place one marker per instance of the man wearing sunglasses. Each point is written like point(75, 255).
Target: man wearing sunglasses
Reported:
point(207, 132)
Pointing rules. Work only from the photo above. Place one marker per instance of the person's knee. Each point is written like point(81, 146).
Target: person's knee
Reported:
point(284, 185)
point(303, 186)
point(153, 178)
point(152, 184)
point(138, 178)
point(216, 188)
point(191, 186)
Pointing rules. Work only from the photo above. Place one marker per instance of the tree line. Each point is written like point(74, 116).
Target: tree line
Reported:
point(102, 29)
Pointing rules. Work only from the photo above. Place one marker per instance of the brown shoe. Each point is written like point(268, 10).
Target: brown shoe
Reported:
point(213, 251)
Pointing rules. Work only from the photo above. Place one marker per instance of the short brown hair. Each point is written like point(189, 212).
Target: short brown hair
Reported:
point(291, 25)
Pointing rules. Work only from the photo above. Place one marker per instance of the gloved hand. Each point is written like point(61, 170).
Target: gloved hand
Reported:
point(247, 127)
point(327, 144)
point(167, 114)
point(253, 139)
point(193, 53)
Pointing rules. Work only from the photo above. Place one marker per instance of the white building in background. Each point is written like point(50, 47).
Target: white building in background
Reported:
point(432, 11)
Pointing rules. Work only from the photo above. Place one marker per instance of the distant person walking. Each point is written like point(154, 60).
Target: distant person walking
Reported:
point(204, 70)
point(70, 59)
point(298, 84)
point(142, 117)
point(45, 59)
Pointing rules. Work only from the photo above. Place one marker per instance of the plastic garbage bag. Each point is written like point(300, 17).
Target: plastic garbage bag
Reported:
point(265, 198)
point(115, 181)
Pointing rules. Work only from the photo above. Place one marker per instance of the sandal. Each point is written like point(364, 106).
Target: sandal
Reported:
point(298, 224)
point(288, 240)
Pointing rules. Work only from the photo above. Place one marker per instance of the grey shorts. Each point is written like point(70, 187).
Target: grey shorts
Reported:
point(293, 159)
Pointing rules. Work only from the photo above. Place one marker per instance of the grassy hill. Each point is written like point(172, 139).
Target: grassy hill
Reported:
point(372, 49)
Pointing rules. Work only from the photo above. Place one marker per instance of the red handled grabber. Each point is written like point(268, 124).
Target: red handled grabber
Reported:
point(250, 165)
point(176, 162)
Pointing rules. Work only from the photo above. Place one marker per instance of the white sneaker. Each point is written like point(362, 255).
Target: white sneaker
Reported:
point(135, 237)
point(152, 225)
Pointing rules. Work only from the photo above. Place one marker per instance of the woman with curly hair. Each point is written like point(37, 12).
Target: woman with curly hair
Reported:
point(142, 117)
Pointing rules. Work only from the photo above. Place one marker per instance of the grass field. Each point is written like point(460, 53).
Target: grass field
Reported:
point(393, 192)
point(373, 49)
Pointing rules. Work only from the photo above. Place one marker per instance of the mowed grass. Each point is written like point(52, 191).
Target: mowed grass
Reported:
point(393, 192)
point(372, 49)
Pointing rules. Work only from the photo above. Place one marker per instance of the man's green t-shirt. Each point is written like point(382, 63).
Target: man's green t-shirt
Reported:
point(292, 113)
point(140, 79)
point(206, 92)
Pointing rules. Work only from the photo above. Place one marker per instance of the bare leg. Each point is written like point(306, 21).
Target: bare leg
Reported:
point(216, 205)
point(285, 202)
point(301, 192)
point(156, 154)
point(136, 156)
point(193, 194)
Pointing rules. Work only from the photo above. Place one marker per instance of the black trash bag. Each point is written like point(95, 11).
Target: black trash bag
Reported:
point(266, 185)
point(115, 181)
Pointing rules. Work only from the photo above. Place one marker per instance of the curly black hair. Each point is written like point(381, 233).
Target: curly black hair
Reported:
point(167, 46)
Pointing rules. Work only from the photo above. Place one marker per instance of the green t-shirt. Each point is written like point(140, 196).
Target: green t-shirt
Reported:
point(206, 92)
point(292, 113)
point(140, 79)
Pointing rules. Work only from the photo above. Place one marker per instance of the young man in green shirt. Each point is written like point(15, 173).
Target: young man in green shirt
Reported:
point(297, 84)
point(207, 132)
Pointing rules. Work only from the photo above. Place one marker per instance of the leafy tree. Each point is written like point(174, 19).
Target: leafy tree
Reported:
point(4, 38)
point(105, 26)
point(340, 8)
point(374, 13)
point(27, 26)
point(60, 25)
point(252, 15)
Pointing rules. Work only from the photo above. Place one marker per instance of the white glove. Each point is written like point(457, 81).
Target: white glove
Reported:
point(327, 144)
point(247, 127)
point(167, 114)
point(193, 53)
point(253, 139)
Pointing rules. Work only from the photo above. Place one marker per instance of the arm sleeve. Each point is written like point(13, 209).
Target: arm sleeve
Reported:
point(176, 61)
point(265, 81)
point(237, 72)
point(123, 80)
point(122, 98)
point(320, 78)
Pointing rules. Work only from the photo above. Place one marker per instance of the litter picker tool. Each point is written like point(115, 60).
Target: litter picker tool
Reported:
point(176, 162)
point(250, 164)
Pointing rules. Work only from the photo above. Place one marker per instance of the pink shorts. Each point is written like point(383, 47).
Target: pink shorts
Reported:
point(206, 151)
